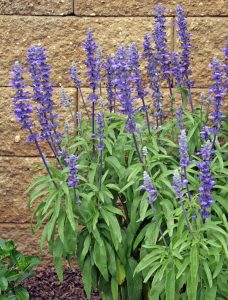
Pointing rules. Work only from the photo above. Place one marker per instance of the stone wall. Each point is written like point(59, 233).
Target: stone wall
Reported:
point(60, 25)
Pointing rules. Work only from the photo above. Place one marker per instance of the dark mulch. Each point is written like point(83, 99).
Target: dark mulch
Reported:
point(45, 286)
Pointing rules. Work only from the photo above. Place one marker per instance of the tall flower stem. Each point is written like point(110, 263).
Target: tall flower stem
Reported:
point(100, 169)
point(76, 198)
point(156, 220)
point(42, 157)
point(137, 148)
point(185, 216)
point(93, 125)
point(147, 115)
point(187, 186)
point(84, 104)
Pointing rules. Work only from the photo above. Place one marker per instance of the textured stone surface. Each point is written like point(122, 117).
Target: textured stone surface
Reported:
point(63, 37)
point(208, 40)
point(27, 242)
point(36, 7)
point(145, 7)
point(15, 176)
point(13, 140)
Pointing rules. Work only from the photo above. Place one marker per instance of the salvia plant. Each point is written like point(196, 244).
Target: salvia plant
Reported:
point(137, 190)
point(14, 269)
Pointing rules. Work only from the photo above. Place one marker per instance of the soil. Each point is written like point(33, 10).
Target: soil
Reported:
point(45, 286)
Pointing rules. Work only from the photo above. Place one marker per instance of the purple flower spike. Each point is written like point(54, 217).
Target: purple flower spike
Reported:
point(178, 184)
point(205, 132)
point(184, 38)
point(217, 91)
point(149, 188)
point(152, 65)
point(21, 106)
point(160, 39)
point(137, 74)
point(207, 182)
point(110, 86)
point(91, 62)
point(176, 70)
point(123, 84)
point(42, 93)
point(73, 168)
point(75, 76)
point(183, 149)
point(225, 52)
point(137, 78)
point(152, 196)
point(100, 129)
point(179, 115)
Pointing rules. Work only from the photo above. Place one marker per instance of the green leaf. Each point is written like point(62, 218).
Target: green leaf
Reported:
point(183, 267)
point(208, 273)
point(148, 260)
point(61, 224)
point(114, 210)
point(114, 288)
point(58, 263)
point(134, 290)
point(194, 266)
point(114, 162)
point(21, 293)
point(218, 269)
point(100, 258)
point(3, 283)
point(86, 246)
point(151, 271)
point(168, 211)
point(87, 277)
point(70, 214)
point(111, 259)
point(170, 284)
point(127, 186)
point(210, 293)
point(12, 275)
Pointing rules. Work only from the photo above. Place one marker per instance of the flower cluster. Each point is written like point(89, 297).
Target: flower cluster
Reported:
point(178, 184)
point(152, 65)
point(207, 183)
point(75, 76)
point(184, 37)
point(42, 92)
point(136, 72)
point(100, 130)
point(124, 90)
point(21, 104)
point(65, 99)
point(73, 168)
point(183, 149)
point(110, 86)
point(176, 69)
point(217, 91)
point(91, 63)
point(160, 39)
point(149, 188)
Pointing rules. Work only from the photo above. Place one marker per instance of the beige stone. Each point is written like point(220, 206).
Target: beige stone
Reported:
point(208, 40)
point(63, 38)
point(145, 7)
point(35, 7)
point(15, 175)
point(27, 242)
point(13, 139)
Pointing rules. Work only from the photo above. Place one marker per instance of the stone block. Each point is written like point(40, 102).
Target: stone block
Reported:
point(34, 7)
point(63, 38)
point(145, 7)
